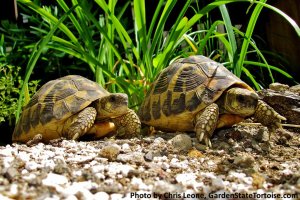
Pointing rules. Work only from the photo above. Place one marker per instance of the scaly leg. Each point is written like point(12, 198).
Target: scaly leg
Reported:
point(206, 122)
point(267, 116)
point(77, 125)
point(127, 125)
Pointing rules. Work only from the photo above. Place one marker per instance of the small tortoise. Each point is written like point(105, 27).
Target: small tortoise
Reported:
point(73, 106)
point(198, 94)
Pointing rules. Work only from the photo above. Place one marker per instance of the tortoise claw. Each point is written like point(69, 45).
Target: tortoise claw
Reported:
point(267, 116)
point(208, 142)
point(75, 136)
point(205, 123)
point(201, 136)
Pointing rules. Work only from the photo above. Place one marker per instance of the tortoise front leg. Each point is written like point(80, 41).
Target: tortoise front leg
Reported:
point(127, 125)
point(79, 124)
point(206, 122)
point(267, 116)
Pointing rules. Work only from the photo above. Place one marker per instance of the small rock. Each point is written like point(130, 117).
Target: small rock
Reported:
point(54, 180)
point(244, 160)
point(101, 195)
point(223, 145)
point(31, 165)
point(285, 133)
point(295, 89)
point(298, 183)
point(116, 196)
point(278, 87)
point(84, 194)
point(266, 147)
point(110, 152)
point(71, 197)
point(11, 173)
point(258, 180)
point(162, 186)
point(181, 142)
point(218, 183)
point(175, 163)
point(151, 154)
point(186, 178)
point(138, 184)
point(262, 135)
point(60, 166)
point(201, 147)
point(125, 148)
point(133, 157)
point(158, 141)
point(194, 153)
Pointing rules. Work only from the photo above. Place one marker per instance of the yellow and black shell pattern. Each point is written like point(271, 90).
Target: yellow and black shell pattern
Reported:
point(183, 89)
point(53, 103)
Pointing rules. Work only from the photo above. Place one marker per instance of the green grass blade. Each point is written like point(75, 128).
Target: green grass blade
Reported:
point(248, 35)
point(51, 18)
point(284, 73)
point(39, 47)
point(140, 24)
point(249, 75)
point(230, 32)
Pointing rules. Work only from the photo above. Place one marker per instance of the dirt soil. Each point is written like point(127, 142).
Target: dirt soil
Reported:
point(242, 164)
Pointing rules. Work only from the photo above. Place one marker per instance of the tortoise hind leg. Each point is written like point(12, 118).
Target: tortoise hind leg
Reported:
point(79, 124)
point(206, 122)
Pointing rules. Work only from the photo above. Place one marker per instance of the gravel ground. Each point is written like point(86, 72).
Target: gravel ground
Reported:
point(242, 164)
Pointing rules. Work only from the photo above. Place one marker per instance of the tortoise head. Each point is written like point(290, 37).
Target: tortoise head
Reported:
point(112, 105)
point(240, 101)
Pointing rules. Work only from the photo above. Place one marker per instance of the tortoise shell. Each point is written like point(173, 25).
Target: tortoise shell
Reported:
point(53, 103)
point(183, 89)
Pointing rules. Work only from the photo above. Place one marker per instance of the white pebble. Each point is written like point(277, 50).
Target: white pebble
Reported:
point(287, 172)
point(30, 177)
point(115, 168)
point(209, 175)
point(175, 163)
point(84, 194)
point(126, 148)
point(210, 163)
point(24, 156)
point(101, 195)
point(97, 168)
point(71, 197)
point(7, 151)
point(54, 180)
point(48, 164)
point(4, 198)
point(186, 178)
point(31, 165)
point(7, 161)
point(99, 176)
point(158, 140)
point(139, 184)
point(116, 196)
point(218, 183)
point(13, 190)
point(54, 197)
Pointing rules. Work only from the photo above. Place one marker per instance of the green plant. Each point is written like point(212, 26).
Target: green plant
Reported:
point(10, 85)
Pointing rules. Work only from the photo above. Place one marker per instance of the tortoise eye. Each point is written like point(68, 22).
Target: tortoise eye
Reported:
point(112, 98)
point(241, 98)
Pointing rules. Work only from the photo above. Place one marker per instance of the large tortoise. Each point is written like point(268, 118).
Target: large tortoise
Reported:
point(198, 94)
point(73, 106)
